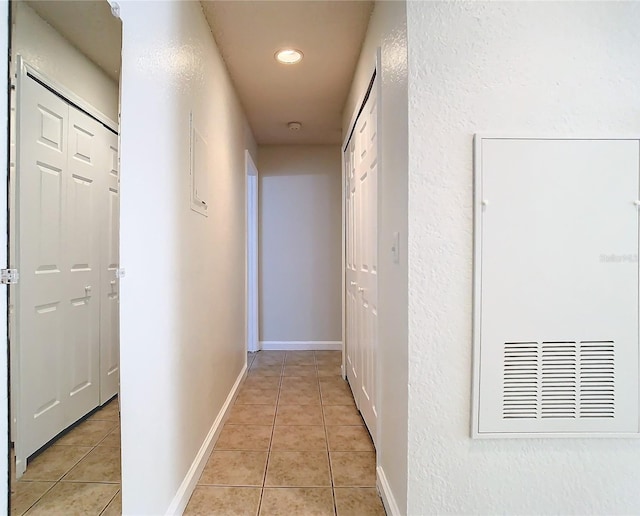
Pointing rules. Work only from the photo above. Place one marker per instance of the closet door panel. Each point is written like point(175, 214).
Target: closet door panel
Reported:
point(110, 284)
point(40, 299)
point(84, 180)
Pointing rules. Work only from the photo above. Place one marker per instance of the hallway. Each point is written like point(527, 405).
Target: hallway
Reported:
point(293, 443)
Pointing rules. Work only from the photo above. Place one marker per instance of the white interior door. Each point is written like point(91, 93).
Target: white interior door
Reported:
point(362, 261)
point(352, 350)
point(41, 302)
point(84, 180)
point(67, 212)
point(109, 282)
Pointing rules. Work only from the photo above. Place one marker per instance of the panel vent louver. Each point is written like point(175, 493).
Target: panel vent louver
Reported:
point(559, 384)
point(520, 391)
point(558, 380)
point(597, 379)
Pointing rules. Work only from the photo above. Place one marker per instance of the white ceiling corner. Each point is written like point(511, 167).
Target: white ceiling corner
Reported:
point(89, 26)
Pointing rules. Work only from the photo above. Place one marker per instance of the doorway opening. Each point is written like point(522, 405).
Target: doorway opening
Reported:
point(253, 319)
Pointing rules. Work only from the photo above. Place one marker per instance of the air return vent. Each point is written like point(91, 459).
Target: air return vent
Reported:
point(558, 380)
point(556, 275)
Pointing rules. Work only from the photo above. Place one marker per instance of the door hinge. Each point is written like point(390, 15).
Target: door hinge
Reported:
point(9, 276)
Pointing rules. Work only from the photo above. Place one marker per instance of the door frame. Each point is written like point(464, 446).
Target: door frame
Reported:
point(5, 159)
point(252, 309)
point(23, 68)
point(24, 71)
point(375, 81)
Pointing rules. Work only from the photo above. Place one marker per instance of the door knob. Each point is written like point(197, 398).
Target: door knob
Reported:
point(360, 289)
point(352, 283)
point(87, 289)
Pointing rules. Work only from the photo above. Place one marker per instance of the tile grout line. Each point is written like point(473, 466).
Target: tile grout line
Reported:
point(273, 428)
point(109, 502)
point(326, 436)
point(61, 479)
point(56, 482)
point(31, 506)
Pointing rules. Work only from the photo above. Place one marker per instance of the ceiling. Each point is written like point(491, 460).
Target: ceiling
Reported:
point(89, 26)
point(248, 33)
point(312, 92)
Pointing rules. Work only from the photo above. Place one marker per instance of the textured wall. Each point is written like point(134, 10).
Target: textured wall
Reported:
point(300, 233)
point(183, 298)
point(388, 31)
point(510, 68)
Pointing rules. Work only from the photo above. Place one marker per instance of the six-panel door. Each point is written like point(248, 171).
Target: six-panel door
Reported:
point(41, 305)
point(81, 219)
point(109, 282)
point(361, 173)
point(67, 208)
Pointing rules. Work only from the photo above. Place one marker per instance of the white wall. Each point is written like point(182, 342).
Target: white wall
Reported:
point(183, 301)
point(44, 48)
point(387, 30)
point(561, 69)
point(300, 228)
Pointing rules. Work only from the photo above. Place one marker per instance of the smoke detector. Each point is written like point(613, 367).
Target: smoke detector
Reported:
point(294, 126)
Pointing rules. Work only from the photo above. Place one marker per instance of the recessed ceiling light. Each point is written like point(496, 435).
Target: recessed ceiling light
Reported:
point(289, 56)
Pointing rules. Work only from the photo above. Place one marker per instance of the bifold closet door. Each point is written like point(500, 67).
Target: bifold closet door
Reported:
point(361, 160)
point(82, 222)
point(60, 198)
point(352, 351)
point(110, 284)
point(41, 304)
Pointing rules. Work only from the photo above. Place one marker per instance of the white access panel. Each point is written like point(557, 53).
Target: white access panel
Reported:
point(556, 287)
point(199, 171)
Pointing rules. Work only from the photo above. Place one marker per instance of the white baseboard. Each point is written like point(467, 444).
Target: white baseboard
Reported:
point(181, 499)
point(301, 345)
point(384, 489)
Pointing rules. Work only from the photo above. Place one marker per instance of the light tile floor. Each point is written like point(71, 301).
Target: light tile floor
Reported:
point(294, 443)
point(78, 475)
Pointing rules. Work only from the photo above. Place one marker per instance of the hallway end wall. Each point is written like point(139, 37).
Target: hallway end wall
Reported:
point(183, 298)
point(539, 69)
point(300, 246)
point(388, 31)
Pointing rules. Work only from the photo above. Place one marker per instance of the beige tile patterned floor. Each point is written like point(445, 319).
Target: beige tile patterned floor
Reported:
point(79, 474)
point(293, 444)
